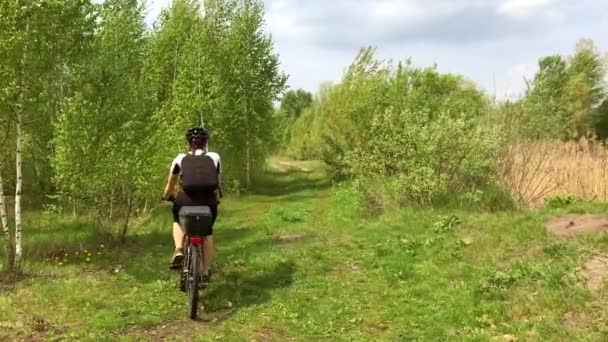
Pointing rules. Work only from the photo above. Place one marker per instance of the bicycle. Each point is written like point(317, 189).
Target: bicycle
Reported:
point(196, 223)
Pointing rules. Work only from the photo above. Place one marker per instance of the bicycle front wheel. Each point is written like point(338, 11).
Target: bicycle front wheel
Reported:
point(194, 257)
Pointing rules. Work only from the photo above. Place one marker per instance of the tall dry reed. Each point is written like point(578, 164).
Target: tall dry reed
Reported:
point(533, 171)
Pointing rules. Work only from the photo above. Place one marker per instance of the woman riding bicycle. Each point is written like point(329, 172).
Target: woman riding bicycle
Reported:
point(197, 139)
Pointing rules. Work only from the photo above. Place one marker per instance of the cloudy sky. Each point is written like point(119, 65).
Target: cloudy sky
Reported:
point(493, 42)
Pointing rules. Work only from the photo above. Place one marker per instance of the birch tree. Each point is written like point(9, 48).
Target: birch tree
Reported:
point(35, 36)
point(254, 82)
point(102, 135)
point(14, 50)
point(227, 74)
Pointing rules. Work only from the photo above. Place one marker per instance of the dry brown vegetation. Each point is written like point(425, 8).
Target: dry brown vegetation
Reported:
point(533, 171)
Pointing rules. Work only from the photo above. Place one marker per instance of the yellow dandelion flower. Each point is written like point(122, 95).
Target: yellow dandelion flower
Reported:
point(88, 259)
point(60, 264)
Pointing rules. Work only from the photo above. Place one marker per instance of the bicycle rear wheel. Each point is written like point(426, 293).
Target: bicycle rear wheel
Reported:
point(193, 279)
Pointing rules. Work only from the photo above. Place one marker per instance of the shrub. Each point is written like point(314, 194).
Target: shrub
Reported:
point(418, 158)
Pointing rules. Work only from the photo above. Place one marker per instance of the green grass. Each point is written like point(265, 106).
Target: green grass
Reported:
point(296, 261)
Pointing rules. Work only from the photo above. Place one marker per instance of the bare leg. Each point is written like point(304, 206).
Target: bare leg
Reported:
point(207, 254)
point(178, 236)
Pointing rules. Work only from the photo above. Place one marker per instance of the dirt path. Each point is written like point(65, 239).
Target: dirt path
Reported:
point(595, 271)
point(570, 226)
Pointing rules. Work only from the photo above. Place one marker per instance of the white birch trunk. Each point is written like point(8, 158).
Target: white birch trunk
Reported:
point(18, 187)
point(19, 148)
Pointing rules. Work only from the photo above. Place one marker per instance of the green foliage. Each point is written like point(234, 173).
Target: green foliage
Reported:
point(305, 136)
point(102, 134)
point(556, 249)
point(563, 98)
point(105, 102)
point(391, 274)
point(522, 273)
point(186, 76)
point(446, 224)
point(289, 214)
point(421, 159)
point(112, 148)
point(498, 280)
point(600, 119)
point(227, 76)
point(414, 131)
point(294, 102)
point(348, 200)
point(545, 111)
point(41, 45)
point(168, 45)
point(253, 82)
point(489, 198)
point(341, 113)
point(561, 201)
point(350, 108)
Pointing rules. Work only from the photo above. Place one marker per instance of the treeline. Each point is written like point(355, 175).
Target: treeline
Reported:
point(94, 104)
point(408, 135)
point(567, 98)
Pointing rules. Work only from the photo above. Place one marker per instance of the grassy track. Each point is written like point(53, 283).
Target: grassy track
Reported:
point(297, 262)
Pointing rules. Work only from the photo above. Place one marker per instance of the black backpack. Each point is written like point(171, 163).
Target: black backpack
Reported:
point(199, 174)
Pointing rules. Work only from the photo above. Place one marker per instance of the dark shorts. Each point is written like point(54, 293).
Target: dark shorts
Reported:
point(183, 200)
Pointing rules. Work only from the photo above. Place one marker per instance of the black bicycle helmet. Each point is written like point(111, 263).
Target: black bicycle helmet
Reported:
point(197, 133)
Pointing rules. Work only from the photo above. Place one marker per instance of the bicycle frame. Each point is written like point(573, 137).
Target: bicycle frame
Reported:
point(194, 258)
point(191, 271)
point(192, 240)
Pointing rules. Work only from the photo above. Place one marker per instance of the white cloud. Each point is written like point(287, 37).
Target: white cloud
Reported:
point(523, 8)
point(540, 10)
point(317, 39)
point(285, 26)
point(397, 10)
point(512, 85)
point(604, 25)
point(524, 70)
point(345, 24)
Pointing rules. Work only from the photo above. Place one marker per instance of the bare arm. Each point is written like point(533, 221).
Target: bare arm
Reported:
point(170, 187)
point(219, 180)
point(219, 185)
